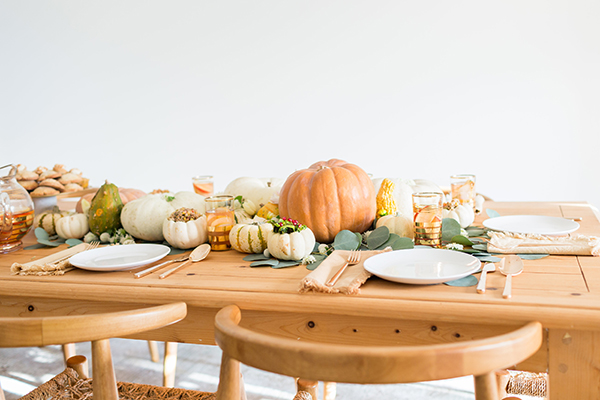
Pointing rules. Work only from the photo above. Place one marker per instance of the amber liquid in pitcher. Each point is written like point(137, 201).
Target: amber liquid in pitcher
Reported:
point(20, 226)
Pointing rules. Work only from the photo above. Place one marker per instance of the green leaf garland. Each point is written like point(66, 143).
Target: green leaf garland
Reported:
point(346, 240)
point(378, 237)
point(450, 228)
point(492, 213)
point(460, 239)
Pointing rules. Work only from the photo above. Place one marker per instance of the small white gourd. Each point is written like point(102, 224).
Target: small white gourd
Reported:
point(399, 224)
point(463, 213)
point(73, 226)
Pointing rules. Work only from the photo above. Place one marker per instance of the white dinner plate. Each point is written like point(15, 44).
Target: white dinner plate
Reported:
point(535, 224)
point(119, 258)
point(422, 266)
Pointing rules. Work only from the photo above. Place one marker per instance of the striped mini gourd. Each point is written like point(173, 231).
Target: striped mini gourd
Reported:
point(250, 238)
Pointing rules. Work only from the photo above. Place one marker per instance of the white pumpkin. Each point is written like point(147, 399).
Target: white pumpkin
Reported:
point(463, 213)
point(250, 238)
point(257, 190)
point(73, 226)
point(143, 218)
point(48, 220)
point(399, 224)
point(291, 246)
point(244, 210)
point(185, 235)
point(479, 200)
point(405, 188)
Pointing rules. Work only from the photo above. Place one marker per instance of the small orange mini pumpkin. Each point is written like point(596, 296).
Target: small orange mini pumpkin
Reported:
point(328, 197)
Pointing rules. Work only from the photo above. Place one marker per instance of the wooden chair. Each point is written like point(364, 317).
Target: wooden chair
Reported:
point(368, 364)
point(97, 328)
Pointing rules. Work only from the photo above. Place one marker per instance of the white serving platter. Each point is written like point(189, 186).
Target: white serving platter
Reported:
point(119, 258)
point(533, 224)
point(422, 266)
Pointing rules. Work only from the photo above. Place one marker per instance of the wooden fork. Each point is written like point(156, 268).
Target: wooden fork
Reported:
point(353, 259)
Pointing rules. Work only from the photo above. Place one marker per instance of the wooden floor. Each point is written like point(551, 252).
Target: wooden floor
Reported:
point(197, 368)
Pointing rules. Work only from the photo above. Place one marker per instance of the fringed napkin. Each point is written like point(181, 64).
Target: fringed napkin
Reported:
point(350, 281)
point(504, 242)
point(48, 265)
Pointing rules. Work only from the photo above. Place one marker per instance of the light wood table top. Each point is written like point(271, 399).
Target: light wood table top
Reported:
point(562, 292)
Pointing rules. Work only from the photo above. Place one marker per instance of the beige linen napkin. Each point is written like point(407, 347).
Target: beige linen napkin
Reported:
point(505, 242)
point(349, 282)
point(46, 266)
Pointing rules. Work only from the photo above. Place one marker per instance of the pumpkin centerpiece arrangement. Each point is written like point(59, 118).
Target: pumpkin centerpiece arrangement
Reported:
point(290, 240)
point(185, 228)
point(143, 218)
point(328, 197)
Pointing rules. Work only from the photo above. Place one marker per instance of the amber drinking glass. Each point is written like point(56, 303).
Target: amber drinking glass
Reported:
point(219, 220)
point(427, 211)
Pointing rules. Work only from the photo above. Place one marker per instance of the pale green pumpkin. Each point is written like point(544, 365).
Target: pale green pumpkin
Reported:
point(48, 219)
point(250, 238)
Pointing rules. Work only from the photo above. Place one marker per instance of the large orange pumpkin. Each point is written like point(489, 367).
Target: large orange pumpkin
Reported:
point(328, 197)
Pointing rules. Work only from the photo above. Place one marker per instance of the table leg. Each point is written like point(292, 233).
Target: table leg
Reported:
point(169, 364)
point(574, 364)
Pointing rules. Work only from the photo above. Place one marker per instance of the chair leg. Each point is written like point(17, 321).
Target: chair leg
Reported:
point(103, 373)
point(1, 393)
point(68, 351)
point(170, 364)
point(486, 387)
point(329, 390)
point(502, 378)
point(305, 385)
point(80, 365)
point(153, 348)
point(229, 379)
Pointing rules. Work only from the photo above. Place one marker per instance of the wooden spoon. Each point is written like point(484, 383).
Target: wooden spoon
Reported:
point(198, 254)
point(510, 266)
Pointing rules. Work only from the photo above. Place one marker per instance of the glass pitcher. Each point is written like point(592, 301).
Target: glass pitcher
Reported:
point(16, 208)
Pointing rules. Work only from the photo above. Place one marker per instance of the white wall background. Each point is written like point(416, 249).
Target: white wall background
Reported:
point(147, 93)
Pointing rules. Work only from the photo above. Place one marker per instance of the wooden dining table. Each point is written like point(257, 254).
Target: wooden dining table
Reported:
point(562, 292)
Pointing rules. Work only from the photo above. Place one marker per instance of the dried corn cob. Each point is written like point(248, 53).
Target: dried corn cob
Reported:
point(386, 205)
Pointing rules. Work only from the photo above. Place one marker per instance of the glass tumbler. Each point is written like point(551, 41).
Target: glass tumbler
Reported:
point(219, 220)
point(463, 188)
point(204, 185)
point(427, 211)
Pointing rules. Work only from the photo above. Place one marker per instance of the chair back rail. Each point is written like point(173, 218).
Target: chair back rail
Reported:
point(372, 364)
point(44, 331)
point(97, 328)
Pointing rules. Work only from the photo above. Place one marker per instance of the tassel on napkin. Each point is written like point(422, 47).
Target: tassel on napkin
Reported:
point(349, 282)
point(48, 265)
point(515, 243)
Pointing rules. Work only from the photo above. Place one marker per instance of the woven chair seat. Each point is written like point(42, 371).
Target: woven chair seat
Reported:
point(528, 383)
point(68, 385)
